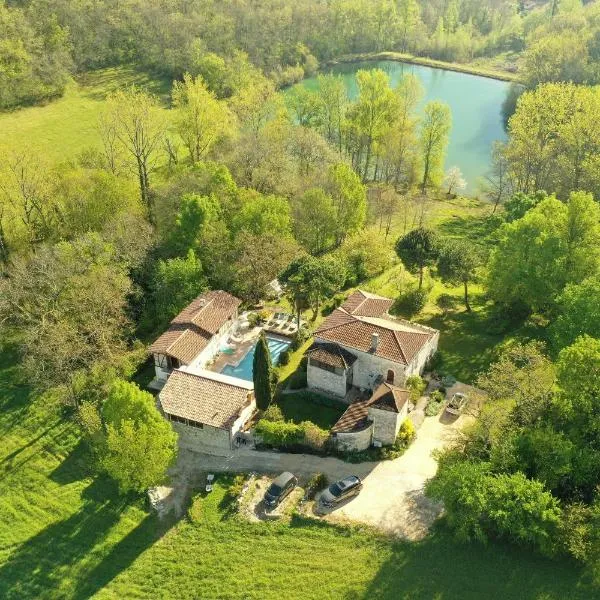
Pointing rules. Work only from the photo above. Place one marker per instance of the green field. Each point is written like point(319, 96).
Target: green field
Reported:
point(63, 128)
point(66, 535)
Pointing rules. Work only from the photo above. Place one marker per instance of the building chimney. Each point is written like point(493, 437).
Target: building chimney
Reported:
point(374, 342)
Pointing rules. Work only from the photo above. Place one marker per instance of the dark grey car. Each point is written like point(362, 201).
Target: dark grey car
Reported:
point(279, 489)
point(341, 490)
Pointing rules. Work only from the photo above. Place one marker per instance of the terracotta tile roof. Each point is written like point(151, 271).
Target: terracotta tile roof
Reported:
point(365, 304)
point(389, 397)
point(354, 418)
point(399, 341)
point(385, 397)
point(205, 397)
point(332, 354)
point(192, 329)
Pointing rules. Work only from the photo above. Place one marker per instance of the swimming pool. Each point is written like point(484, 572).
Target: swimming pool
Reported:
point(244, 369)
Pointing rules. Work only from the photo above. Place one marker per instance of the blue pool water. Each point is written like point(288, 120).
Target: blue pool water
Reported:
point(244, 369)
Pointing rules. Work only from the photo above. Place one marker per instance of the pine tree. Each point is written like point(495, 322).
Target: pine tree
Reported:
point(262, 374)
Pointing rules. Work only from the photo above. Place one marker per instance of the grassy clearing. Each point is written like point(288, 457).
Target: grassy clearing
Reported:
point(63, 128)
point(308, 406)
point(66, 535)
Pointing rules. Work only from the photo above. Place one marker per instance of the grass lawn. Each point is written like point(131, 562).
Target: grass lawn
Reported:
point(64, 534)
point(308, 406)
point(64, 127)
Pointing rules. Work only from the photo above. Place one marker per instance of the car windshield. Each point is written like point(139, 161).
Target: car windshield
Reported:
point(335, 489)
point(456, 401)
point(274, 490)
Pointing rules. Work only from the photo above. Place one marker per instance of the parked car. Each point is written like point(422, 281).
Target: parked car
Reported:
point(457, 404)
point(341, 490)
point(279, 489)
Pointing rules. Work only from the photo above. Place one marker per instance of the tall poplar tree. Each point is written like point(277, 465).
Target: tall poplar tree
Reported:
point(262, 372)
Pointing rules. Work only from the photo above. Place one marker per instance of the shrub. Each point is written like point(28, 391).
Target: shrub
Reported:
point(284, 358)
point(416, 386)
point(435, 362)
point(410, 303)
point(314, 436)
point(446, 302)
point(406, 435)
point(316, 483)
point(253, 319)
point(234, 491)
point(279, 433)
point(300, 337)
point(436, 401)
point(273, 413)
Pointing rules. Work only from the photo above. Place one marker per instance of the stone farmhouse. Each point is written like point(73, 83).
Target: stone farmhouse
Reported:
point(207, 409)
point(360, 351)
point(195, 334)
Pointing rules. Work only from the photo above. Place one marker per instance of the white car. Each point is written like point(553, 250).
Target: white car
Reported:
point(457, 404)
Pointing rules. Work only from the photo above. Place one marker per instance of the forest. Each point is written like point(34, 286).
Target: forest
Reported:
point(211, 170)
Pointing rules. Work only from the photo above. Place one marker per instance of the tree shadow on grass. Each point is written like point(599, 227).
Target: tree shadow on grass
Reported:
point(43, 566)
point(440, 567)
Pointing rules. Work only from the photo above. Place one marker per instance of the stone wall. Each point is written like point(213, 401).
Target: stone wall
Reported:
point(196, 439)
point(355, 441)
point(326, 381)
point(386, 424)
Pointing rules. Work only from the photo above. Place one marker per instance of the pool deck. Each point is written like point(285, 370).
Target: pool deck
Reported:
point(241, 349)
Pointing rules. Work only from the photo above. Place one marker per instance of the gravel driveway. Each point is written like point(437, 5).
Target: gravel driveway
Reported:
point(392, 498)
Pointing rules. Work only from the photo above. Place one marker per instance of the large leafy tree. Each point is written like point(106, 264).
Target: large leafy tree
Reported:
point(262, 374)
point(417, 250)
point(139, 443)
point(309, 280)
point(200, 119)
point(315, 222)
point(578, 309)
point(68, 301)
point(552, 245)
point(457, 263)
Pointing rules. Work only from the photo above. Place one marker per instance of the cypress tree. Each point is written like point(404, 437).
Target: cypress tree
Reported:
point(262, 370)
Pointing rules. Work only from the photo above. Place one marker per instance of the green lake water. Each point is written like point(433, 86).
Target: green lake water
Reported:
point(475, 102)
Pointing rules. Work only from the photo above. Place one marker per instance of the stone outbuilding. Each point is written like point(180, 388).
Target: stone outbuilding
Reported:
point(375, 420)
point(207, 409)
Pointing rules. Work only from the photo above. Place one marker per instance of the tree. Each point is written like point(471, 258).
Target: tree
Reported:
point(334, 100)
point(365, 256)
point(454, 180)
point(349, 200)
point(68, 301)
point(200, 119)
point(578, 311)
point(262, 373)
point(175, 284)
point(457, 263)
point(140, 444)
point(418, 249)
point(260, 259)
point(315, 223)
point(369, 117)
point(524, 376)
point(566, 240)
point(263, 215)
point(139, 126)
point(308, 280)
point(435, 129)
point(480, 505)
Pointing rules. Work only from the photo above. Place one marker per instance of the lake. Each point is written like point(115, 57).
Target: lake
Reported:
point(476, 104)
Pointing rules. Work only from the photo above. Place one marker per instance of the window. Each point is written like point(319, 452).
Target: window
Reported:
point(390, 376)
